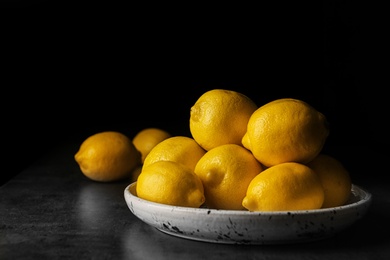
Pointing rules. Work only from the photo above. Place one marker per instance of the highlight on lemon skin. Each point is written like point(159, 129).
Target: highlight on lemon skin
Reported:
point(107, 156)
point(170, 183)
point(285, 187)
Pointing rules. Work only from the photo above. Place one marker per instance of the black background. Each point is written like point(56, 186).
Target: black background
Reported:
point(71, 69)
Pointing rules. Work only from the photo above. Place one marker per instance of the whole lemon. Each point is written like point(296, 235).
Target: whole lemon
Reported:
point(286, 186)
point(226, 172)
point(286, 130)
point(181, 149)
point(170, 183)
point(107, 156)
point(335, 179)
point(219, 117)
point(147, 138)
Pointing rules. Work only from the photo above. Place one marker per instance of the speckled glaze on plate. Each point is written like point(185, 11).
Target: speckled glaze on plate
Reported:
point(245, 227)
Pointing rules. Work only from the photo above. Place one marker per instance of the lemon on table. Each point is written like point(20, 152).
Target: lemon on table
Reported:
point(147, 138)
point(286, 186)
point(180, 149)
point(107, 156)
point(286, 130)
point(170, 183)
point(226, 172)
point(335, 179)
point(219, 117)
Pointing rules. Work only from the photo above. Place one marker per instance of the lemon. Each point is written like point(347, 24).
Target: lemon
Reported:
point(170, 183)
point(182, 149)
point(226, 172)
point(335, 179)
point(147, 138)
point(107, 156)
point(283, 187)
point(220, 117)
point(286, 130)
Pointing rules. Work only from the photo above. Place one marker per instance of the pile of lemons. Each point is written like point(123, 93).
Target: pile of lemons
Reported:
point(240, 156)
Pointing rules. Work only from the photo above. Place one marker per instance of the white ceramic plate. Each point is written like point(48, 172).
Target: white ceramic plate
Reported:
point(245, 227)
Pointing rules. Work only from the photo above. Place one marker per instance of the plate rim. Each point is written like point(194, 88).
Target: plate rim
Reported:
point(361, 202)
point(365, 197)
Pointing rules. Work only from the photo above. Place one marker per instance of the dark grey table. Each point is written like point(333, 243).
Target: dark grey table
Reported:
point(51, 211)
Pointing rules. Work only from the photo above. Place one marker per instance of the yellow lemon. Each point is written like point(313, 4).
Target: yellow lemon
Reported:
point(226, 172)
point(107, 156)
point(335, 179)
point(180, 149)
point(286, 130)
point(286, 186)
point(219, 117)
point(170, 183)
point(147, 138)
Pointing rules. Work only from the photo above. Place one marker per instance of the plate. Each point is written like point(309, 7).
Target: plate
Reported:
point(245, 227)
